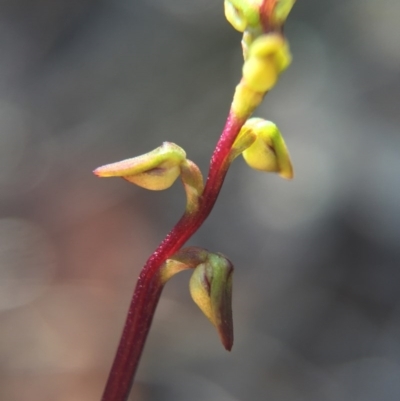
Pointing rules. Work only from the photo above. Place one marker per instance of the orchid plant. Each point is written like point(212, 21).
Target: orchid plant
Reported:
point(266, 55)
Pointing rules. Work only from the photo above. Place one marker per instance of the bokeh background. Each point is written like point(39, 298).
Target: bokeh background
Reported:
point(317, 280)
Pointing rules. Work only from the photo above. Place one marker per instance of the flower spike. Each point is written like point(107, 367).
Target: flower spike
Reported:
point(266, 55)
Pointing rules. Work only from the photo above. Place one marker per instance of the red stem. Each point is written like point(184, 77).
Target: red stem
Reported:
point(148, 288)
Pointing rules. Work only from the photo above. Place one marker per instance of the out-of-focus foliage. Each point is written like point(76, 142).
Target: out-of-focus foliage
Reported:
point(317, 277)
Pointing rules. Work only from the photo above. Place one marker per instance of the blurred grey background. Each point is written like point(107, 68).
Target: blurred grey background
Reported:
point(316, 286)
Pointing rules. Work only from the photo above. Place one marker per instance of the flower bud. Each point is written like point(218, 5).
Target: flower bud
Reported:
point(210, 286)
point(267, 150)
point(273, 46)
point(257, 15)
point(259, 75)
point(211, 289)
point(267, 57)
point(156, 170)
point(242, 14)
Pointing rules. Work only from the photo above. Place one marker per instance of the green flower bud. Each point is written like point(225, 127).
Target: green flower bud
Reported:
point(274, 47)
point(266, 150)
point(211, 289)
point(210, 286)
point(156, 170)
point(242, 14)
point(257, 15)
point(268, 56)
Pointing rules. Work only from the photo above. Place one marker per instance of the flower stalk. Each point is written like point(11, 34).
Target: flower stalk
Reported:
point(149, 285)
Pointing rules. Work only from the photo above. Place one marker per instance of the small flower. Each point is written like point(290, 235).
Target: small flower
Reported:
point(156, 170)
point(242, 14)
point(210, 286)
point(211, 289)
point(263, 147)
point(268, 56)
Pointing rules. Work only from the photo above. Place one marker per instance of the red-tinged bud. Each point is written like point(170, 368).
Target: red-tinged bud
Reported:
point(211, 289)
point(210, 286)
